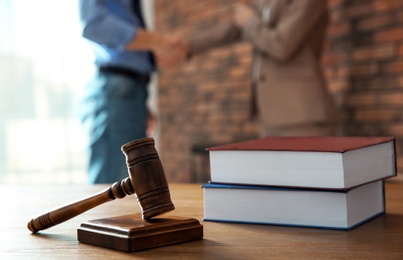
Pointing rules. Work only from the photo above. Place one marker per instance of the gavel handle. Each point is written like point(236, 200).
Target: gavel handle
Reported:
point(59, 215)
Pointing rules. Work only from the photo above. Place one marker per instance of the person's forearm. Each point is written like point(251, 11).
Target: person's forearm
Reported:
point(145, 40)
point(213, 37)
point(168, 50)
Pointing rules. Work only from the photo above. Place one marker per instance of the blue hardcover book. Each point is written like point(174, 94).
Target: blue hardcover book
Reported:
point(331, 209)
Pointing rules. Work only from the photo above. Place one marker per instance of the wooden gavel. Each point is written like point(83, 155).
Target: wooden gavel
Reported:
point(147, 181)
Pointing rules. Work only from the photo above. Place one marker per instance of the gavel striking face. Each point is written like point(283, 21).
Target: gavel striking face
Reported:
point(147, 180)
point(147, 177)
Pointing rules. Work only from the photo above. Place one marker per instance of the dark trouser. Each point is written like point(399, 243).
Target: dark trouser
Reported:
point(113, 112)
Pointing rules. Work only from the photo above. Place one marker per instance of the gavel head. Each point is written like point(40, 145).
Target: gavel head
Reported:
point(147, 177)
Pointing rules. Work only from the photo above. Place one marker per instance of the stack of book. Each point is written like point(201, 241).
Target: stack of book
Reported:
point(323, 182)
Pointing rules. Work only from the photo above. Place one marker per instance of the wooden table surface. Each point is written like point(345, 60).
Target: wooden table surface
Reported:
point(381, 238)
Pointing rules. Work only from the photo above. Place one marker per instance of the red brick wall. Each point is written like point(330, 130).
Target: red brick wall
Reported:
point(363, 65)
point(206, 101)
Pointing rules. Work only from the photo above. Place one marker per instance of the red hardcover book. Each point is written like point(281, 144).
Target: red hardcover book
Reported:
point(310, 162)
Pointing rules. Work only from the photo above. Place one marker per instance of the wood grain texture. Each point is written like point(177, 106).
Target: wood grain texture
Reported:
point(131, 233)
point(381, 238)
point(66, 212)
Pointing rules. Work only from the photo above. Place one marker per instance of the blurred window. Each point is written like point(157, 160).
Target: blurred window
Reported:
point(44, 63)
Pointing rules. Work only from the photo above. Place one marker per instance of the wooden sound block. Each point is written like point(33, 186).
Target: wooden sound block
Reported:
point(132, 233)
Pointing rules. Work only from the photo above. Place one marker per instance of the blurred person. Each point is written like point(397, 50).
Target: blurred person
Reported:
point(113, 109)
point(289, 92)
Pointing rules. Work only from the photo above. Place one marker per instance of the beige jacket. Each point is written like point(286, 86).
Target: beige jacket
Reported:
point(287, 36)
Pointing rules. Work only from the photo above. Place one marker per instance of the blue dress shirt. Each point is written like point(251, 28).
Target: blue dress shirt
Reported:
point(110, 25)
